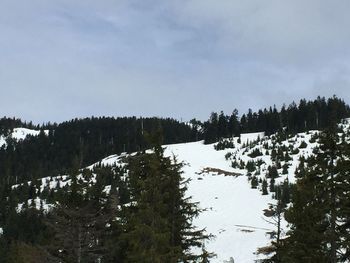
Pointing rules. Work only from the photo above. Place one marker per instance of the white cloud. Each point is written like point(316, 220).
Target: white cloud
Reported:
point(61, 59)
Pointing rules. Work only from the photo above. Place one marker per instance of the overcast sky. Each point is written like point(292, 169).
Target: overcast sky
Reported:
point(61, 59)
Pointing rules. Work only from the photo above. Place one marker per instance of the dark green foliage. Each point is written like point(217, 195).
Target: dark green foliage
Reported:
point(255, 153)
point(228, 155)
point(8, 124)
point(272, 172)
point(285, 168)
point(272, 185)
point(79, 233)
point(287, 158)
point(274, 215)
point(234, 164)
point(278, 164)
point(81, 142)
point(319, 214)
point(159, 221)
point(221, 126)
point(313, 138)
point(224, 144)
point(295, 151)
point(26, 226)
point(307, 115)
point(273, 154)
point(303, 145)
point(20, 252)
point(242, 165)
point(83, 227)
point(211, 130)
point(259, 162)
point(250, 166)
point(254, 182)
point(264, 187)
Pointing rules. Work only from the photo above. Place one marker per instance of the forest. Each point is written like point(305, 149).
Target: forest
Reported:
point(137, 211)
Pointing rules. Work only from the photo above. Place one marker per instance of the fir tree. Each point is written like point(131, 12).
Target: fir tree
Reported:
point(159, 222)
point(264, 187)
point(316, 214)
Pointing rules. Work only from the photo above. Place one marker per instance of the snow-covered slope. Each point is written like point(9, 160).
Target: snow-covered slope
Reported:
point(251, 137)
point(221, 183)
point(233, 210)
point(20, 134)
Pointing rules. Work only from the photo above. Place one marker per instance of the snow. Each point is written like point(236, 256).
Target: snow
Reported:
point(19, 134)
point(37, 203)
point(250, 137)
point(2, 140)
point(233, 210)
point(111, 160)
point(22, 133)
point(242, 150)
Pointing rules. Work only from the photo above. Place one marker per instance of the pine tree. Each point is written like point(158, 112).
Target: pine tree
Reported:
point(318, 215)
point(264, 187)
point(254, 182)
point(78, 224)
point(159, 220)
point(274, 215)
point(285, 168)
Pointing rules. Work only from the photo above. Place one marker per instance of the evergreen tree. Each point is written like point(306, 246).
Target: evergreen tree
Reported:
point(159, 221)
point(274, 215)
point(316, 216)
point(264, 187)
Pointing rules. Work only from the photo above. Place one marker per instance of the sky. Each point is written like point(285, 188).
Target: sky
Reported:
point(62, 59)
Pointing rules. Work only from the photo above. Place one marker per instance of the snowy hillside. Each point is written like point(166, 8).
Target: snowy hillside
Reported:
point(19, 134)
point(233, 210)
point(222, 182)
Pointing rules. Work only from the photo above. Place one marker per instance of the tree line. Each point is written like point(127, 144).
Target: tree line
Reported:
point(307, 115)
point(85, 141)
point(90, 223)
point(79, 142)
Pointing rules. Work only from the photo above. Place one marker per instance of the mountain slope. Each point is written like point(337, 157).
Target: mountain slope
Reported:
point(221, 181)
point(233, 211)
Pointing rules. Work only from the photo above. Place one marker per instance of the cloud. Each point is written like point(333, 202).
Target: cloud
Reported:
point(287, 32)
point(63, 59)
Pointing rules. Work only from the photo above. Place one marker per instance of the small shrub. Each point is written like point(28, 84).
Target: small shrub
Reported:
point(303, 145)
point(234, 164)
point(313, 138)
point(224, 144)
point(285, 169)
point(254, 182)
point(295, 151)
point(228, 155)
point(255, 153)
point(250, 166)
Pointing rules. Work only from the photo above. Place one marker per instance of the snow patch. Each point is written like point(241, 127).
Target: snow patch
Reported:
point(20, 134)
point(227, 201)
point(251, 137)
